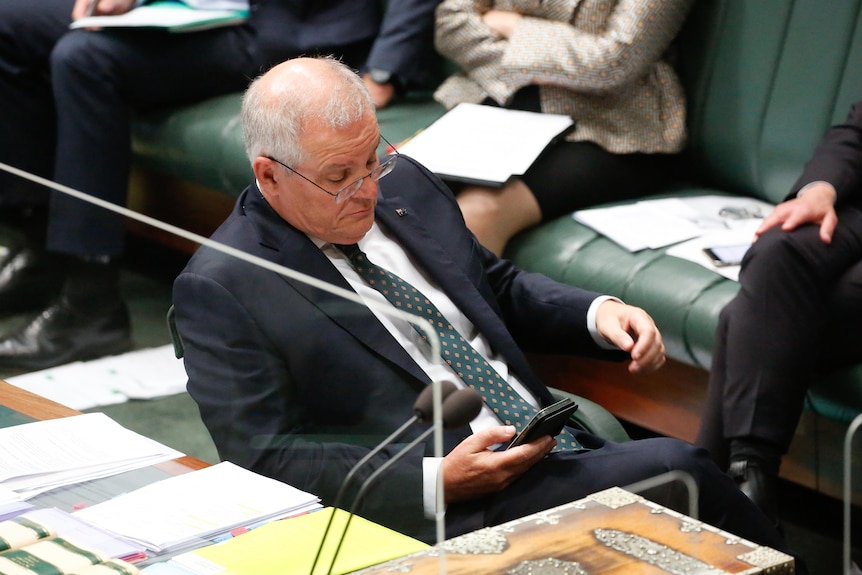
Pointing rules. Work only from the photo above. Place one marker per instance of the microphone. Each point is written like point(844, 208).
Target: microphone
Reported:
point(423, 410)
point(458, 409)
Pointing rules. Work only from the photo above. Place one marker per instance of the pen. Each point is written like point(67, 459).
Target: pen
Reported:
point(91, 8)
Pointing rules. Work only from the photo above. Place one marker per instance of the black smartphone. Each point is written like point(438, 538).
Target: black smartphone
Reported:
point(726, 255)
point(548, 421)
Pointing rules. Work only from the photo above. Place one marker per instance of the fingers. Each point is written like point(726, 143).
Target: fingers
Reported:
point(648, 353)
point(472, 470)
point(613, 324)
point(775, 218)
point(485, 438)
point(633, 330)
point(80, 9)
point(827, 227)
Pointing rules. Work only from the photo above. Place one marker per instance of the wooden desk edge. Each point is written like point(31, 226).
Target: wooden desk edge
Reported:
point(42, 408)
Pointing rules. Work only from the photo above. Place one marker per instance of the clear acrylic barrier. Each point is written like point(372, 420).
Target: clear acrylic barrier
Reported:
point(333, 532)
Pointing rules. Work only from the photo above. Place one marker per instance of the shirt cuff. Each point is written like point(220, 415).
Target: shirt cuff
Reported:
point(591, 321)
point(814, 183)
point(430, 468)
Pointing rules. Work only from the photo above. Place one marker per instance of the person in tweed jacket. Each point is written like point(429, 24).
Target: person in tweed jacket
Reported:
point(603, 62)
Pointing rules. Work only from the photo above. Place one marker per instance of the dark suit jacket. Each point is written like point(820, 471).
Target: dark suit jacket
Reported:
point(295, 383)
point(402, 31)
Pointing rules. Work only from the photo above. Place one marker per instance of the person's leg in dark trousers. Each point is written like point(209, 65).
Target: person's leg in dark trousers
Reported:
point(99, 79)
point(28, 32)
point(781, 330)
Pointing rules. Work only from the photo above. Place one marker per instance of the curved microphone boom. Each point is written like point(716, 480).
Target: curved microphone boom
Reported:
point(458, 410)
point(423, 410)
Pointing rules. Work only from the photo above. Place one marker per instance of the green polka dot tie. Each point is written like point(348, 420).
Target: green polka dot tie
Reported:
point(469, 364)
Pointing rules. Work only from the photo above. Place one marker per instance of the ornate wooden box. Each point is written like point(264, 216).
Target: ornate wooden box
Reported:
point(612, 531)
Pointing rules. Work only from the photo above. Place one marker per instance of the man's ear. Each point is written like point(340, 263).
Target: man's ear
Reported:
point(268, 175)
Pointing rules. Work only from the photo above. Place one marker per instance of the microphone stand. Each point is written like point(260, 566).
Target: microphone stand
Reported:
point(420, 410)
point(371, 478)
point(464, 405)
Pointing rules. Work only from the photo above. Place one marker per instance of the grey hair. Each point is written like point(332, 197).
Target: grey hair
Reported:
point(273, 123)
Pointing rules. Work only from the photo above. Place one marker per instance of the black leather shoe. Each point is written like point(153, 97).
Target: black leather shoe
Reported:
point(62, 333)
point(758, 485)
point(29, 279)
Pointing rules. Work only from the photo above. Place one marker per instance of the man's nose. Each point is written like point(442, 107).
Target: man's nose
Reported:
point(368, 189)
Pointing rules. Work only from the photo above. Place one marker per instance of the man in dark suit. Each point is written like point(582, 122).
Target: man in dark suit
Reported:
point(794, 318)
point(296, 383)
point(66, 105)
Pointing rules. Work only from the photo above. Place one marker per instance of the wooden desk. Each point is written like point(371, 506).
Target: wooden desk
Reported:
point(41, 408)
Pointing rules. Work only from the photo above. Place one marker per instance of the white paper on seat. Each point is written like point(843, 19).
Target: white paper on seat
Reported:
point(484, 144)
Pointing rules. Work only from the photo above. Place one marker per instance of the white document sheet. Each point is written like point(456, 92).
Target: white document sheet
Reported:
point(140, 374)
point(654, 224)
point(484, 144)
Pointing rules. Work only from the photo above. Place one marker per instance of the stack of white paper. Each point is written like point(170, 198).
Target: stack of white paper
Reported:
point(39, 456)
point(187, 510)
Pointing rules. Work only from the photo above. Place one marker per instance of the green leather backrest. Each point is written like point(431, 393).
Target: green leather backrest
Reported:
point(764, 79)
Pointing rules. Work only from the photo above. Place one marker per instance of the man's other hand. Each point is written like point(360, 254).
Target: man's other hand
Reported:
point(632, 330)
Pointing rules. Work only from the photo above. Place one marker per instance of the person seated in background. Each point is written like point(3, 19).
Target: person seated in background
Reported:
point(66, 103)
point(295, 383)
point(794, 318)
point(601, 62)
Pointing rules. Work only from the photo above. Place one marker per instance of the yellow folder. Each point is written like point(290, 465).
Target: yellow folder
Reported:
point(289, 546)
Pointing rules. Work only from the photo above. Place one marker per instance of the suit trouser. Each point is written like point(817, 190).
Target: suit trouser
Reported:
point(67, 100)
point(795, 317)
point(564, 477)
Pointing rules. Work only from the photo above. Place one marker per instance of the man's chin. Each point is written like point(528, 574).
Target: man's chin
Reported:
point(353, 233)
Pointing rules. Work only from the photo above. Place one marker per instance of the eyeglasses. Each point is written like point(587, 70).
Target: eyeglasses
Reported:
point(350, 189)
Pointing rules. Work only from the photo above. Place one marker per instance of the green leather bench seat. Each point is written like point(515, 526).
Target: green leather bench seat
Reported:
point(764, 80)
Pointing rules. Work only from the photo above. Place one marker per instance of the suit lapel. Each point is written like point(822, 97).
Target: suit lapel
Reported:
point(292, 249)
